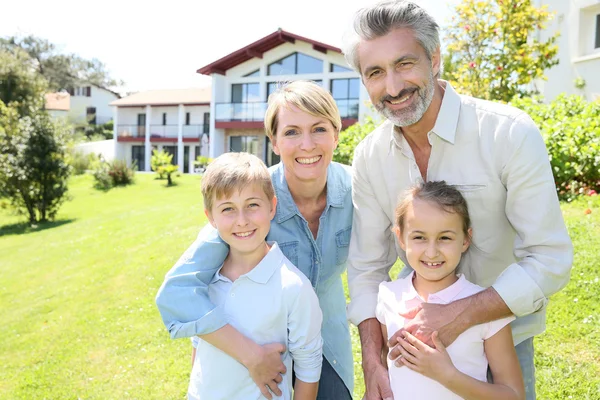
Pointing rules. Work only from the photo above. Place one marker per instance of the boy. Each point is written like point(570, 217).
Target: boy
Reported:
point(263, 295)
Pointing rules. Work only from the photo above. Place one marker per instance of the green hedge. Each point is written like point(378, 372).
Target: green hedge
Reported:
point(571, 129)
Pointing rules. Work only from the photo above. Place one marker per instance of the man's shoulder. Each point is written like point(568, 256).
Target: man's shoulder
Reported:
point(378, 139)
point(486, 108)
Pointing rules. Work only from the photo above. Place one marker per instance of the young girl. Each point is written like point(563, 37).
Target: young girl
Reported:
point(433, 228)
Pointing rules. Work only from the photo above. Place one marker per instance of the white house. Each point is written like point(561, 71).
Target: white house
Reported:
point(91, 103)
point(229, 116)
point(176, 121)
point(578, 22)
point(243, 80)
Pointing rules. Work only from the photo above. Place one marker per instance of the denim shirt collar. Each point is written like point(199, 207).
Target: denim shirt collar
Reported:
point(287, 208)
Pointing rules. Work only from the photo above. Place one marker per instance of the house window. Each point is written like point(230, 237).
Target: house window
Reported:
point(338, 68)
point(272, 158)
point(248, 144)
point(346, 94)
point(296, 63)
point(187, 118)
point(90, 113)
point(138, 157)
point(252, 74)
point(164, 118)
point(597, 44)
point(245, 93)
point(206, 125)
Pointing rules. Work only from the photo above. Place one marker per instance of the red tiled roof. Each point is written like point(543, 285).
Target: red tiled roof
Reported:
point(257, 49)
point(59, 101)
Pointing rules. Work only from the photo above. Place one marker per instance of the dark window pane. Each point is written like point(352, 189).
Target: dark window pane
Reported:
point(285, 66)
point(339, 88)
point(338, 68)
point(597, 31)
point(354, 88)
point(235, 143)
point(137, 157)
point(237, 93)
point(309, 65)
point(253, 73)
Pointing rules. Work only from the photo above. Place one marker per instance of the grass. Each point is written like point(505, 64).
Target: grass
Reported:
point(78, 313)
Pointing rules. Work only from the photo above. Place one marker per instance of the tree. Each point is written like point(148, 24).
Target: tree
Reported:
point(494, 49)
point(33, 162)
point(62, 71)
point(160, 162)
point(20, 85)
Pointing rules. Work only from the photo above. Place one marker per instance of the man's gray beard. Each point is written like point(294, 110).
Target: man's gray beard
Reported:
point(409, 117)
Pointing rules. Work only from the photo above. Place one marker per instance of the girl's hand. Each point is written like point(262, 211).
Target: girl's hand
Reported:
point(434, 363)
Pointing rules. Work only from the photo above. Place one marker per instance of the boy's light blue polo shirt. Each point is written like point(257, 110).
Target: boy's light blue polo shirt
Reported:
point(183, 298)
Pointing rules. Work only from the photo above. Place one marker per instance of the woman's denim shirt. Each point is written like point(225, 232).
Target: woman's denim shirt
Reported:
point(183, 298)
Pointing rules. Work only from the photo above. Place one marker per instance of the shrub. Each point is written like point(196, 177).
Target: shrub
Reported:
point(571, 129)
point(120, 173)
point(160, 159)
point(202, 162)
point(102, 180)
point(81, 162)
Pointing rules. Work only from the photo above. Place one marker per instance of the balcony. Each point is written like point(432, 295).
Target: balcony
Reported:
point(244, 112)
point(255, 112)
point(161, 132)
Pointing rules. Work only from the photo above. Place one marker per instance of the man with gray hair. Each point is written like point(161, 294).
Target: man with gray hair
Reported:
point(493, 153)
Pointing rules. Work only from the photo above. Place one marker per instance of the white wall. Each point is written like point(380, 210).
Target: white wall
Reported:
point(575, 20)
point(106, 148)
point(99, 98)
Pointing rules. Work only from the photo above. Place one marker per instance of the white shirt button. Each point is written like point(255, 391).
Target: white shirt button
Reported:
point(335, 361)
point(232, 294)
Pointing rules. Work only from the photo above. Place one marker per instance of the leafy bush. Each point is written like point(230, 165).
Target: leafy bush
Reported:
point(350, 138)
point(160, 159)
point(114, 173)
point(81, 162)
point(120, 173)
point(571, 129)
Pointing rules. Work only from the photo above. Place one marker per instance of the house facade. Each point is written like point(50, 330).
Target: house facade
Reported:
point(176, 121)
point(229, 116)
point(243, 80)
point(90, 103)
point(578, 71)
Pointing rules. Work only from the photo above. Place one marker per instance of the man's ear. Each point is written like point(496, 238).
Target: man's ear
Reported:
point(210, 218)
point(467, 240)
point(398, 234)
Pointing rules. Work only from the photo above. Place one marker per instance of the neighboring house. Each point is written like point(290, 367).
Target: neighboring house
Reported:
point(578, 22)
point(58, 104)
point(176, 121)
point(91, 103)
point(243, 80)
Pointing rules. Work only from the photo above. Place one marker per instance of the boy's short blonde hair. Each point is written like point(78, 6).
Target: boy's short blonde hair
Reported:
point(234, 171)
point(306, 96)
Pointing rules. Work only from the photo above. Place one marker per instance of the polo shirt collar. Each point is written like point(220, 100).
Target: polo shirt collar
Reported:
point(444, 296)
point(263, 271)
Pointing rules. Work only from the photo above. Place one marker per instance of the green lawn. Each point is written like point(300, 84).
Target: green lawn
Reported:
point(78, 313)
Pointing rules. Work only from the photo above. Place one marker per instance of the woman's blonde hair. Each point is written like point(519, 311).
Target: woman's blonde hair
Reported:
point(306, 96)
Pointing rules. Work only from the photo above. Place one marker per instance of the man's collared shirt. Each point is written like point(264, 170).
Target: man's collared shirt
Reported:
point(466, 352)
point(273, 303)
point(494, 154)
point(183, 299)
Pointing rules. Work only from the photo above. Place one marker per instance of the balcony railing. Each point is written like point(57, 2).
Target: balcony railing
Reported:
point(162, 131)
point(226, 112)
point(247, 112)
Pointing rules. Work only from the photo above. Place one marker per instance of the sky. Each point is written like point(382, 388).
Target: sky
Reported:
point(160, 45)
